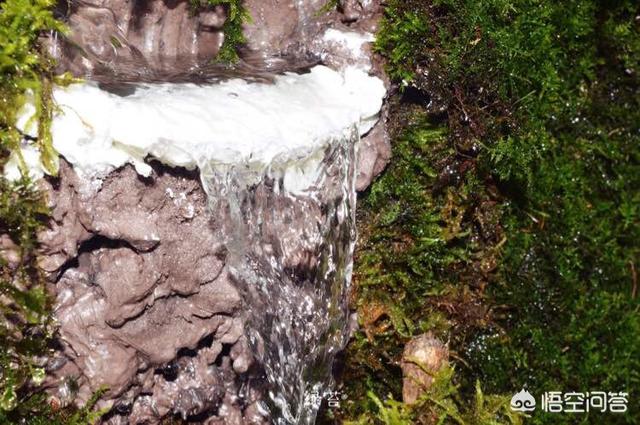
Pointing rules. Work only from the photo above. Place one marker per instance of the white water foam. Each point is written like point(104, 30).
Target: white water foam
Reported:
point(257, 124)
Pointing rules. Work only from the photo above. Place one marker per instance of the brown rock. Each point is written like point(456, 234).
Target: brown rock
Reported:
point(9, 252)
point(148, 38)
point(374, 153)
point(351, 10)
point(144, 304)
point(423, 356)
point(122, 34)
point(143, 297)
point(273, 26)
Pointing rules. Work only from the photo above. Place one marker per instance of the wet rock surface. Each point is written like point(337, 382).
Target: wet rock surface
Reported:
point(158, 34)
point(143, 302)
point(169, 37)
point(296, 27)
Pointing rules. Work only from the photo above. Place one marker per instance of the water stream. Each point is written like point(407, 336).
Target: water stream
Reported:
point(274, 140)
point(291, 256)
point(277, 162)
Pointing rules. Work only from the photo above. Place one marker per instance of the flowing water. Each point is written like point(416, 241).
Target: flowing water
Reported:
point(289, 229)
point(291, 257)
point(289, 251)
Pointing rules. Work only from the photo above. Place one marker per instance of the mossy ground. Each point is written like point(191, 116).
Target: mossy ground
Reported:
point(508, 220)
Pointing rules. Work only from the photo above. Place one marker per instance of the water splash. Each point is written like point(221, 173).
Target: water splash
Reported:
point(290, 255)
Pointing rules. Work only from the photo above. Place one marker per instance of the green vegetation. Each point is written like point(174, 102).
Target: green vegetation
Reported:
point(508, 219)
point(329, 6)
point(237, 15)
point(507, 222)
point(36, 411)
point(25, 72)
point(440, 402)
point(24, 322)
point(25, 326)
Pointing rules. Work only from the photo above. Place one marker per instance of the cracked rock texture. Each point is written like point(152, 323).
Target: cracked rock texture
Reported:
point(142, 300)
point(144, 303)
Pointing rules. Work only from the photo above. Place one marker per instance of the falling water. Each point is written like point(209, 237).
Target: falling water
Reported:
point(290, 253)
point(285, 217)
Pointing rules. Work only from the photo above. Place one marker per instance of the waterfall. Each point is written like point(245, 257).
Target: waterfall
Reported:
point(291, 256)
point(277, 163)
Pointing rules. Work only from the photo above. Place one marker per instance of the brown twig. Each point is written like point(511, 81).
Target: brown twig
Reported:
point(634, 280)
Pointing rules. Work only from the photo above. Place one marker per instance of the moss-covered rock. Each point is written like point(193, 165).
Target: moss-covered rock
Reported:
point(25, 325)
point(237, 16)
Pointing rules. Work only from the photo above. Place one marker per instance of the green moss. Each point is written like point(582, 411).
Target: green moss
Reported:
point(25, 323)
point(441, 404)
point(25, 72)
point(426, 251)
point(36, 411)
point(508, 219)
point(329, 6)
point(237, 16)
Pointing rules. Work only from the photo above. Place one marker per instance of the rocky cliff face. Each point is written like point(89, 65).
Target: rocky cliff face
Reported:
point(144, 305)
point(144, 302)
